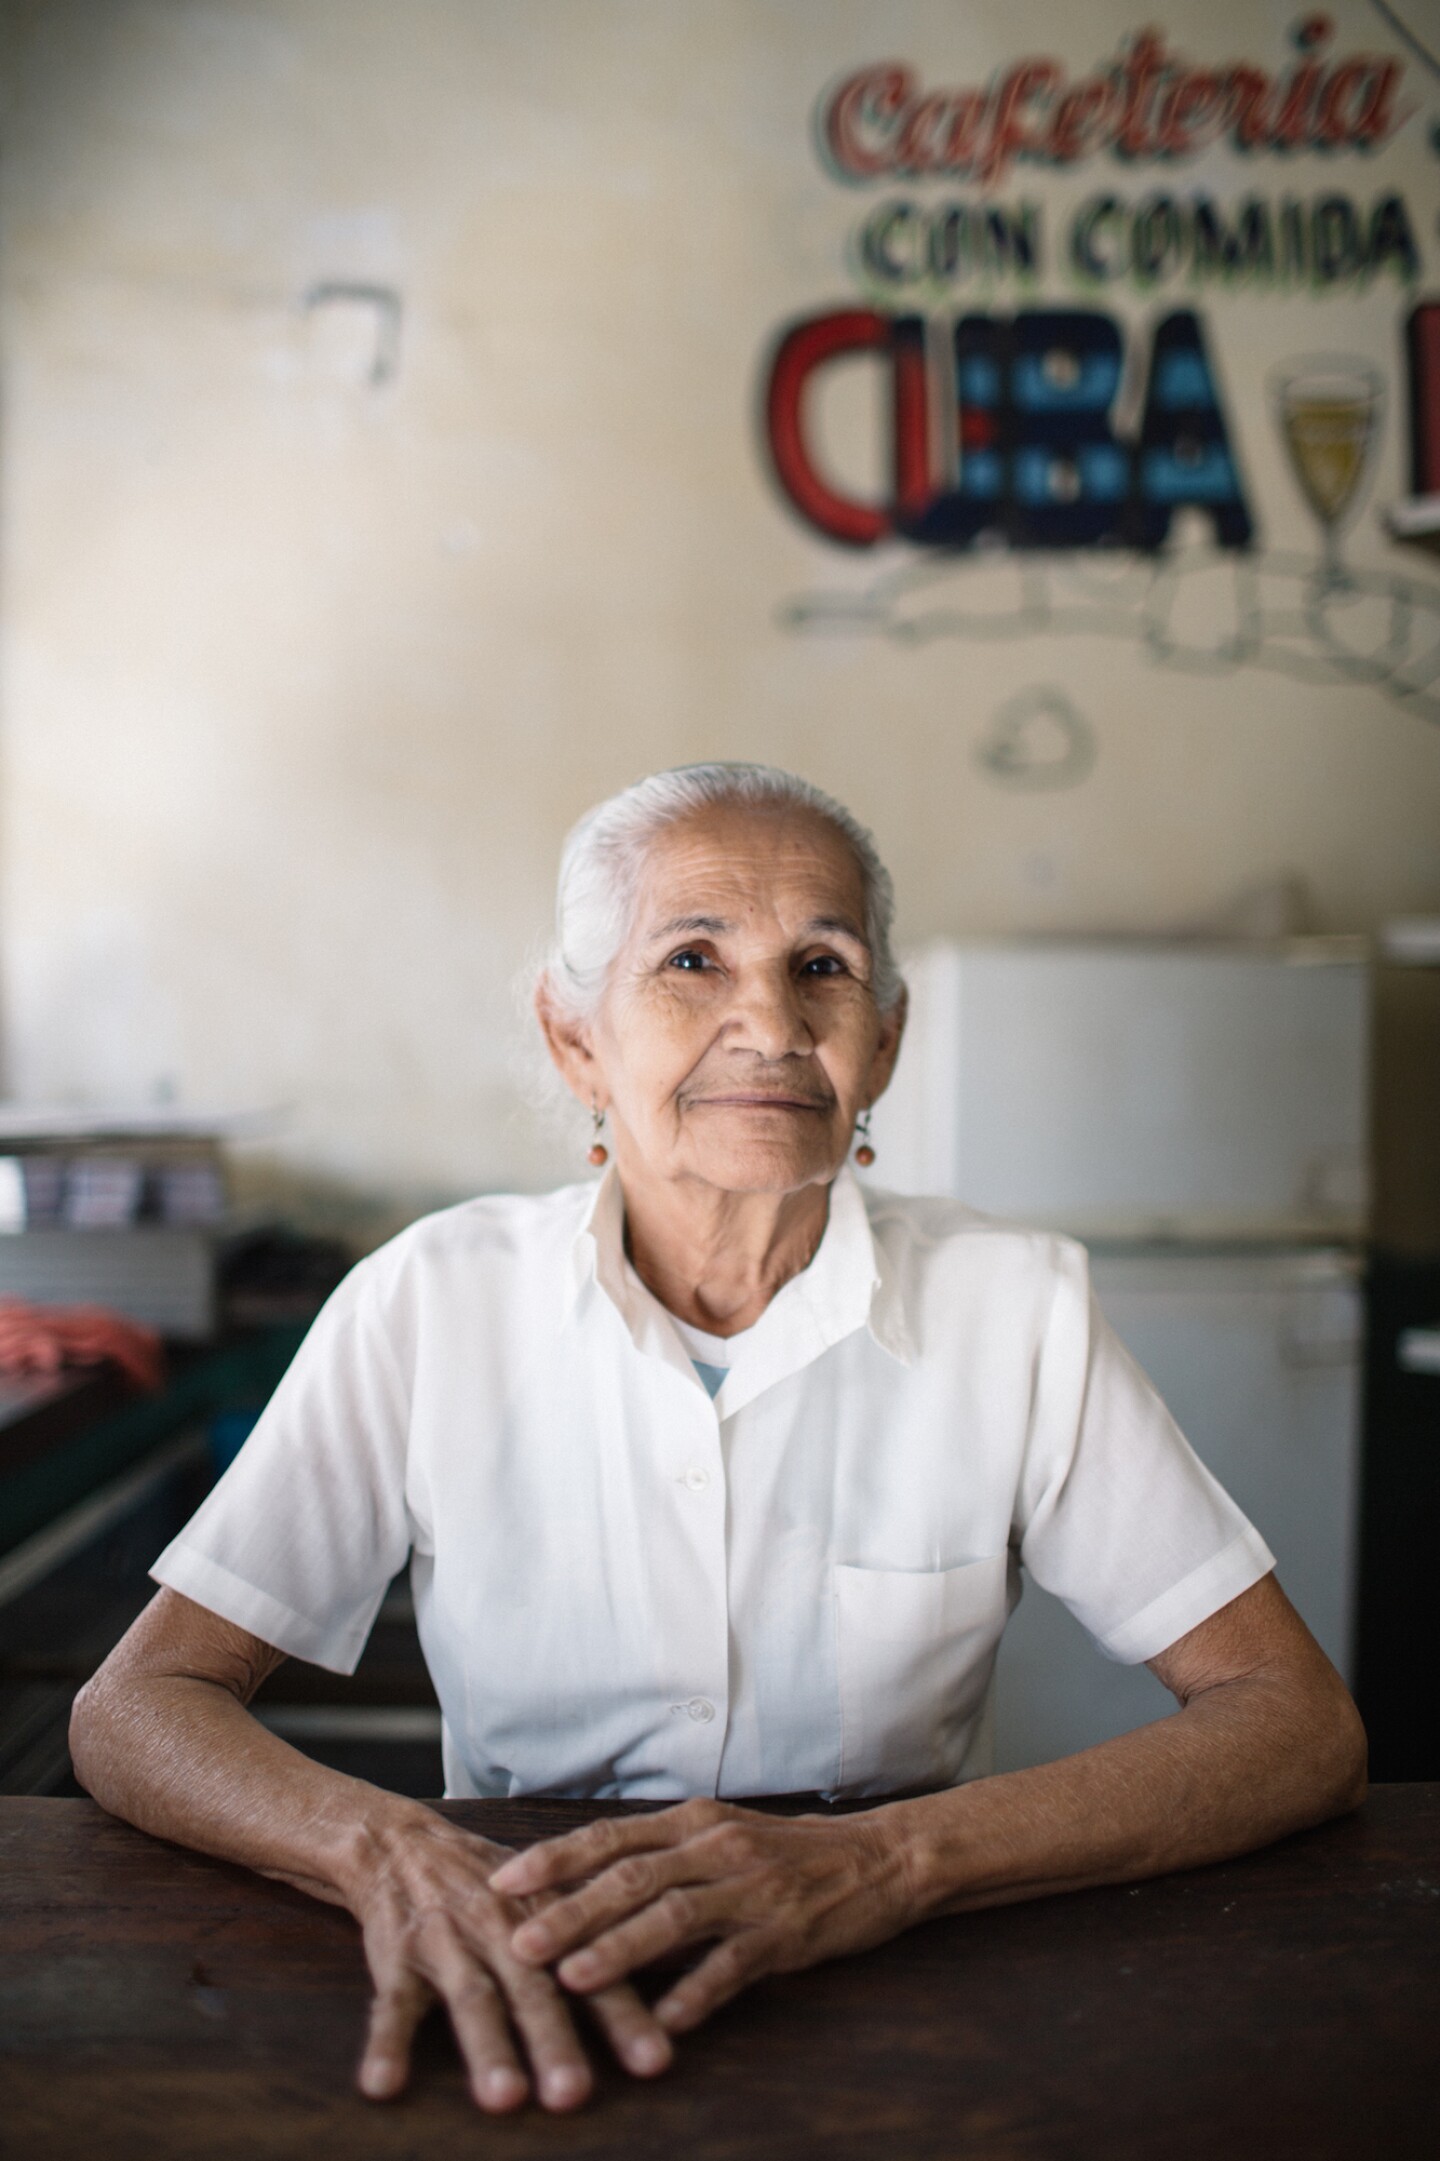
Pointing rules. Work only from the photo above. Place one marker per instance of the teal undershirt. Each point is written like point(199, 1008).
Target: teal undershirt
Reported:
point(712, 1376)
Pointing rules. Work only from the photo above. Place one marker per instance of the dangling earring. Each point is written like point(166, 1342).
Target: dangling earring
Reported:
point(864, 1154)
point(599, 1153)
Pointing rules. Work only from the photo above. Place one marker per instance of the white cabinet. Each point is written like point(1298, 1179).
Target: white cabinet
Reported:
point(1138, 1090)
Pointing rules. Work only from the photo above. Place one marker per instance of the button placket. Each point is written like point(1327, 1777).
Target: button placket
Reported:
point(699, 1474)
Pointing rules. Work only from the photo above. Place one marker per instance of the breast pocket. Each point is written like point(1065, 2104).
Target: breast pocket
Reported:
point(915, 1650)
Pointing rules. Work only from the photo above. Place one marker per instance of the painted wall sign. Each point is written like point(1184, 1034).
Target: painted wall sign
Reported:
point(1147, 103)
point(1287, 243)
point(1026, 410)
point(1038, 461)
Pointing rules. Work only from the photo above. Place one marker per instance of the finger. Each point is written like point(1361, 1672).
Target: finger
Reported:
point(563, 2077)
point(626, 1887)
point(586, 1851)
point(482, 2031)
point(719, 1976)
point(471, 1956)
point(634, 2033)
point(396, 2011)
point(578, 1853)
point(685, 1914)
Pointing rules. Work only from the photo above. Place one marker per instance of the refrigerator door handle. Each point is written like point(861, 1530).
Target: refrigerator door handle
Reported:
point(1418, 1350)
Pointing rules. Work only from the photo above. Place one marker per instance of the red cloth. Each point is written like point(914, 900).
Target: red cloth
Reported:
point(42, 1339)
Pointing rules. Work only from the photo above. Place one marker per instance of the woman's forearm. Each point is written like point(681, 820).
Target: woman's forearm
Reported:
point(1240, 1765)
point(181, 1757)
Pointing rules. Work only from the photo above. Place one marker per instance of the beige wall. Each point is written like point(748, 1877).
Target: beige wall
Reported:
point(305, 676)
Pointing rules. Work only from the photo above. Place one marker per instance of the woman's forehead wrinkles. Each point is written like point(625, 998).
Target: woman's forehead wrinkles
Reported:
point(706, 880)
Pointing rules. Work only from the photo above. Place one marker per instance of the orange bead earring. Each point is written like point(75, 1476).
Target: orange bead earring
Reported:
point(864, 1154)
point(599, 1153)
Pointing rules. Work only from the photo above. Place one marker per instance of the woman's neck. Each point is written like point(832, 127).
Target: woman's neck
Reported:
point(716, 1259)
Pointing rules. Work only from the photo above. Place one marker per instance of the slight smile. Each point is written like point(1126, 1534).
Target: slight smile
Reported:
point(758, 1103)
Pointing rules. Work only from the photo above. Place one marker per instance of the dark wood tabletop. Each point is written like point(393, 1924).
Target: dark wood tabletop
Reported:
point(156, 2004)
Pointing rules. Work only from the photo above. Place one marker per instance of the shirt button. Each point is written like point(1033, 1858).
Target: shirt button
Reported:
point(700, 1710)
point(696, 1479)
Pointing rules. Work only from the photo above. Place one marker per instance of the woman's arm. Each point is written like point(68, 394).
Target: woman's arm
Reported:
point(1266, 1741)
point(162, 1737)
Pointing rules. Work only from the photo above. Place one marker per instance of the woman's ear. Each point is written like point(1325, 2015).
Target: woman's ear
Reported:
point(568, 1042)
point(887, 1050)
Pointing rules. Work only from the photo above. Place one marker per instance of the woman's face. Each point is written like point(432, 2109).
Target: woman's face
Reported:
point(738, 1038)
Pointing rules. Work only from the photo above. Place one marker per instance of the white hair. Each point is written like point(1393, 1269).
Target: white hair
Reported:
point(604, 857)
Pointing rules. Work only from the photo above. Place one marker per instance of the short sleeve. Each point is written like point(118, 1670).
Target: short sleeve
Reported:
point(299, 1539)
point(1117, 1515)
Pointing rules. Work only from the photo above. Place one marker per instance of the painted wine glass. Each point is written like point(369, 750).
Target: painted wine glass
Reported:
point(1329, 412)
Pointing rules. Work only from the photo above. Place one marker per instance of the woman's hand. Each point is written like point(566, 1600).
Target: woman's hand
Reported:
point(1266, 1741)
point(436, 1929)
point(778, 1894)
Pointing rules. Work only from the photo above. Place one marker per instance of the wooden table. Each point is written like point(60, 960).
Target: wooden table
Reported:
point(1286, 2005)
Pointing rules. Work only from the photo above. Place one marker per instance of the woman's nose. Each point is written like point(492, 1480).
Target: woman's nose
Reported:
point(768, 1018)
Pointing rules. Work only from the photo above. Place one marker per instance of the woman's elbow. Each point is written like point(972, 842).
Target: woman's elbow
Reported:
point(108, 1723)
point(91, 1732)
point(1353, 1754)
point(1341, 1751)
point(82, 1733)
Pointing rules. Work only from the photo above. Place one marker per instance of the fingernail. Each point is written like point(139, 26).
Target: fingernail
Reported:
point(562, 2089)
point(650, 2054)
point(584, 1966)
point(502, 2089)
point(531, 1940)
point(509, 1874)
point(378, 2077)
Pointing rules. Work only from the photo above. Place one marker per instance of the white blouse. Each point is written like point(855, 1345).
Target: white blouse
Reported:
point(624, 1587)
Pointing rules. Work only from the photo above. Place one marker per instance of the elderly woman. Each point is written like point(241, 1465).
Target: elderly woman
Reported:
point(716, 1476)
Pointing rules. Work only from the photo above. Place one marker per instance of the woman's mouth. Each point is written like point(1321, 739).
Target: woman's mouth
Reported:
point(753, 1102)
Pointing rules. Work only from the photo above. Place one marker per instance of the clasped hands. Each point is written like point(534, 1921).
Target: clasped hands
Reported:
point(503, 1938)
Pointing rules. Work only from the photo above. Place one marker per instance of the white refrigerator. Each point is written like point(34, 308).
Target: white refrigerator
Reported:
point(1198, 1114)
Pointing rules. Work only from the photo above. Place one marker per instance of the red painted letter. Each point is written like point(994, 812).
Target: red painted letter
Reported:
point(808, 346)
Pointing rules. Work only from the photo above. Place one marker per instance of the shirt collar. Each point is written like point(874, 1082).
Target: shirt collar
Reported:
point(849, 1284)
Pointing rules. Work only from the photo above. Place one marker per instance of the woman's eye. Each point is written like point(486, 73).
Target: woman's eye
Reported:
point(824, 964)
point(689, 960)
